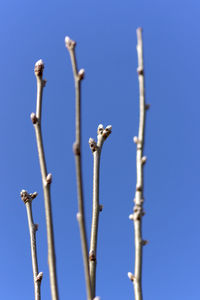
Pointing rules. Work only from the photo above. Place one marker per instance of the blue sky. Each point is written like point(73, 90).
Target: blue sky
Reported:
point(105, 32)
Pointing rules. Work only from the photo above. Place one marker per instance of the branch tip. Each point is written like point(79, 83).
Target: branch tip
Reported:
point(100, 129)
point(25, 196)
point(39, 67)
point(70, 44)
point(33, 195)
point(107, 131)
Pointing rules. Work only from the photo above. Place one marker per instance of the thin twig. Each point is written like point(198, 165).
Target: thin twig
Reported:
point(37, 277)
point(78, 76)
point(46, 179)
point(138, 212)
point(96, 148)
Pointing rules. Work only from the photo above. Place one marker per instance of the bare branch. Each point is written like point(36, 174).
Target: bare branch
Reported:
point(138, 212)
point(96, 148)
point(78, 76)
point(46, 179)
point(37, 278)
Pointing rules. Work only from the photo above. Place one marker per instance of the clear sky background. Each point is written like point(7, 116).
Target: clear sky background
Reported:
point(105, 32)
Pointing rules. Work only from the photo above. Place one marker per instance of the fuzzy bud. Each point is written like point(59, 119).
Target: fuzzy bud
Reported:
point(107, 131)
point(100, 129)
point(131, 276)
point(39, 67)
point(70, 44)
point(131, 217)
point(81, 74)
point(93, 144)
point(135, 139)
point(39, 276)
point(49, 178)
point(33, 195)
point(100, 207)
point(92, 256)
point(144, 159)
point(33, 118)
point(24, 196)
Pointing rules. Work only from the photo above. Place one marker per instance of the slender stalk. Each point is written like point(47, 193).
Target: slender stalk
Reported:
point(46, 180)
point(37, 277)
point(140, 160)
point(78, 76)
point(96, 150)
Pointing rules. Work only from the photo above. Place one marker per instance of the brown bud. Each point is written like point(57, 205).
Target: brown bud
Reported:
point(107, 131)
point(76, 148)
point(92, 144)
point(39, 67)
point(39, 276)
point(25, 196)
point(33, 195)
point(140, 71)
point(33, 118)
point(70, 44)
point(131, 276)
point(44, 82)
point(92, 256)
point(100, 129)
point(36, 226)
point(144, 242)
point(144, 159)
point(81, 74)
